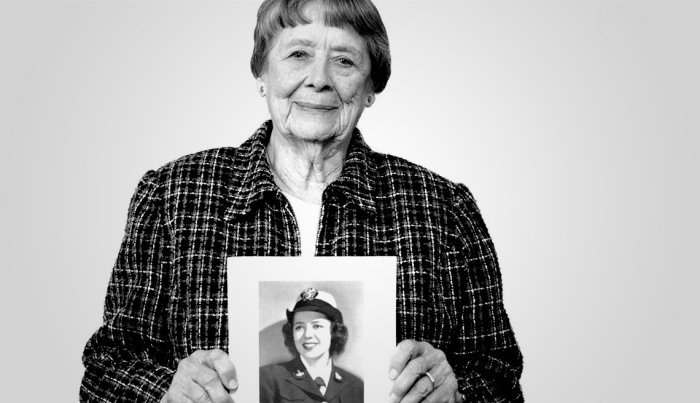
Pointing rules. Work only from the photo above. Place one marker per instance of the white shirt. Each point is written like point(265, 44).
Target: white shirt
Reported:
point(323, 371)
point(308, 216)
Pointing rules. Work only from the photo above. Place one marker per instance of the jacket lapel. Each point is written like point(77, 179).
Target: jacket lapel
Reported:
point(357, 181)
point(335, 385)
point(299, 377)
point(250, 176)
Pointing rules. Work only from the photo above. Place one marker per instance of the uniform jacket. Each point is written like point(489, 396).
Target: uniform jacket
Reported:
point(290, 382)
point(167, 295)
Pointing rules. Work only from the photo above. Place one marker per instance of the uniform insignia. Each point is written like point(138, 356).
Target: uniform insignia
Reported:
point(338, 377)
point(309, 294)
point(299, 374)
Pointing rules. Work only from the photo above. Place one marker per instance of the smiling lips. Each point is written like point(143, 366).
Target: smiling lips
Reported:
point(309, 346)
point(315, 106)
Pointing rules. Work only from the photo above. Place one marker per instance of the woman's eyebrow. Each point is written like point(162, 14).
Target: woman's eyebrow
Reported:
point(300, 41)
point(346, 49)
point(309, 42)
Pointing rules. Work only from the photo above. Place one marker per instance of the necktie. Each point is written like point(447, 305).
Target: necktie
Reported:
point(321, 385)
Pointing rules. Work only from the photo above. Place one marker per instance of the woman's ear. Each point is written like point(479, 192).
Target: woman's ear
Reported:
point(260, 83)
point(369, 100)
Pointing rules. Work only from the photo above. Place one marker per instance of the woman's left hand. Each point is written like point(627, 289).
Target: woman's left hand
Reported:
point(409, 365)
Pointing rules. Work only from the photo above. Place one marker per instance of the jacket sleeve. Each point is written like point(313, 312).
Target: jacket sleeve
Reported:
point(485, 358)
point(267, 385)
point(129, 358)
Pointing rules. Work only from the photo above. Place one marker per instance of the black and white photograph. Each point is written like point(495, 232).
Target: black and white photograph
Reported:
point(322, 337)
point(321, 331)
point(511, 183)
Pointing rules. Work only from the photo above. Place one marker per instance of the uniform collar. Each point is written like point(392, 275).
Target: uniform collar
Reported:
point(299, 376)
point(325, 372)
point(252, 181)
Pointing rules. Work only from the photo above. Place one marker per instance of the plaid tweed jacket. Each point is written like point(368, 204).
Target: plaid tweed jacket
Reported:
point(167, 294)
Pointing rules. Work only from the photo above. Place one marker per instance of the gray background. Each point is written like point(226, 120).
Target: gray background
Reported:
point(575, 124)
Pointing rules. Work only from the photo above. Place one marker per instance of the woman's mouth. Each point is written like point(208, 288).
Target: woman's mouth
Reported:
point(309, 346)
point(320, 107)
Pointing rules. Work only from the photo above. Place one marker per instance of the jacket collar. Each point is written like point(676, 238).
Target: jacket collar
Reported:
point(299, 376)
point(336, 384)
point(251, 176)
point(252, 181)
point(357, 181)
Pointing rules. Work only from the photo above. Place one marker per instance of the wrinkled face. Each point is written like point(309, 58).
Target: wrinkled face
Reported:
point(312, 334)
point(317, 79)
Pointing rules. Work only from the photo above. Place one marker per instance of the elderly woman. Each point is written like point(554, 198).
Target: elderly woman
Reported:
point(304, 183)
point(314, 332)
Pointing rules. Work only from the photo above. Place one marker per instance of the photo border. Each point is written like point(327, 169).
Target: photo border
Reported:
point(376, 273)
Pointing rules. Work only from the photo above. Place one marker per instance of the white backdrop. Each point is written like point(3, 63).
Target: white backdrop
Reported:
point(575, 125)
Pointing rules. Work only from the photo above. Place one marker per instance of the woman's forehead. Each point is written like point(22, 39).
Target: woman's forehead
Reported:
point(317, 25)
point(314, 34)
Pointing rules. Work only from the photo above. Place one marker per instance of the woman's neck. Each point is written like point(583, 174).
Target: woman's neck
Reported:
point(318, 362)
point(305, 168)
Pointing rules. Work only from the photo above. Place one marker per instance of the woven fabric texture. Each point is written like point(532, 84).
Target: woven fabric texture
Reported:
point(167, 295)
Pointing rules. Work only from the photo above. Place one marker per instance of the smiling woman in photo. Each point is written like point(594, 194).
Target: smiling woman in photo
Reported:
point(314, 333)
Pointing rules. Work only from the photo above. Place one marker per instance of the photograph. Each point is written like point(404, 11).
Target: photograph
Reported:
point(321, 327)
point(512, 182)
point(314, 351)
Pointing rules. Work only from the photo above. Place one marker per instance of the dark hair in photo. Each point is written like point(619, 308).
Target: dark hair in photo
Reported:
point(359, 15)
point(339, 336)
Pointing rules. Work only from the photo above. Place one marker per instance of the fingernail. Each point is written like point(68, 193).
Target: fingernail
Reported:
point(392, 374)
point(233, 384)
point(393, 398)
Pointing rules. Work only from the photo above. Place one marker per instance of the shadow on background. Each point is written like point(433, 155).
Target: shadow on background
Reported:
point(272, 349)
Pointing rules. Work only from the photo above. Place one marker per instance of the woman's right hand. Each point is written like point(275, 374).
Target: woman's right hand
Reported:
point(204, 376)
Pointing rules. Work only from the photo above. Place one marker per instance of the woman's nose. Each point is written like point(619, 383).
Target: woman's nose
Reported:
point(318, 77)
point(308, 332)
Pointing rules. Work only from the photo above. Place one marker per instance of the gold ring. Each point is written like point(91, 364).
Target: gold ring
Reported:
point(432, 380)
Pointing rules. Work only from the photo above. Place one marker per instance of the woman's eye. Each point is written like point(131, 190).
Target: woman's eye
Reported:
point(318, 326)
point(344, 61)
point(297, 54)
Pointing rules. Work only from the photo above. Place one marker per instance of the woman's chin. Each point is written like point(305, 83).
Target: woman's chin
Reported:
point(316, 131)
point(312, 354)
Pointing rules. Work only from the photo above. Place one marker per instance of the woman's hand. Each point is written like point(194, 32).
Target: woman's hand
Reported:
point(409, 365)
point(204, 376)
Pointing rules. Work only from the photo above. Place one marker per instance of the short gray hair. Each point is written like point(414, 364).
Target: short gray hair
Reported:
point(360, 15)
